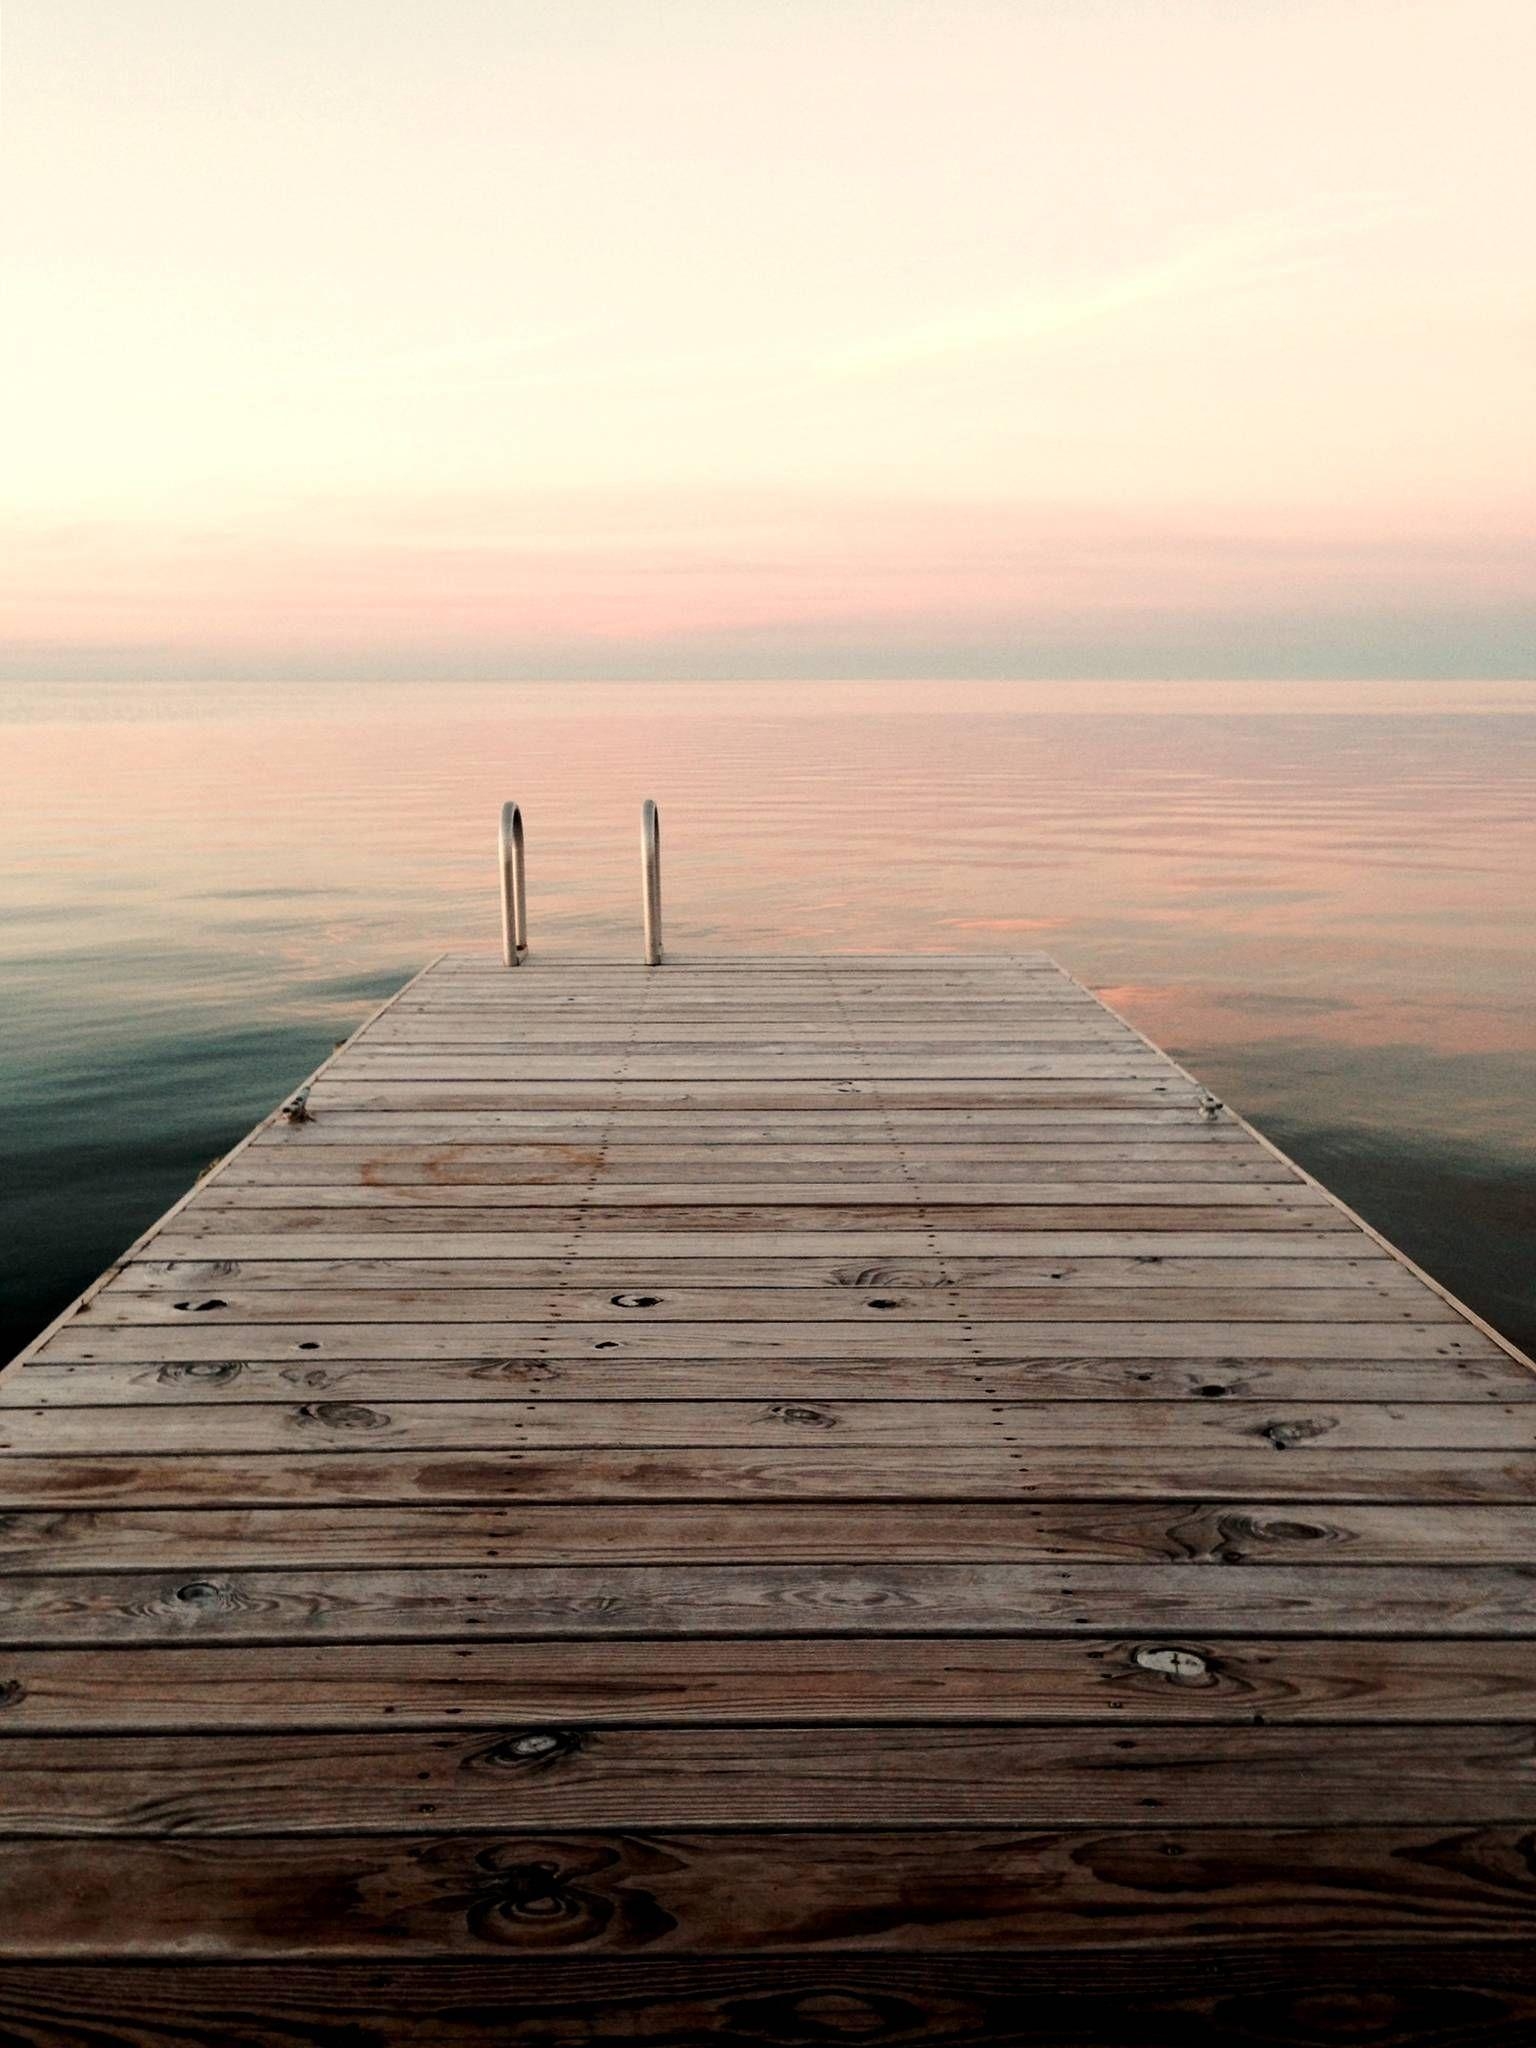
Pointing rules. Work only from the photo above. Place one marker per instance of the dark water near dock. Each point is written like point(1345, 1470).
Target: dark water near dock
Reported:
point(1329, 914)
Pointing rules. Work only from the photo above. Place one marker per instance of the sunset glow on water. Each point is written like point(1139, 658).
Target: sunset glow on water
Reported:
point(1327, 915)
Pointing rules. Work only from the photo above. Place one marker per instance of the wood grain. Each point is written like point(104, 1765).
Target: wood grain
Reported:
point(382, 1604)
point(725, 1893)
point(1392, 1994)
point(772, 1501)
point(590, 1280)
point(211, 1340)
point(196, 1428)
point(623, 1371)
point(1308, 1471)
point(392, 1782)
point(839, 1682)
point(1223, 1532)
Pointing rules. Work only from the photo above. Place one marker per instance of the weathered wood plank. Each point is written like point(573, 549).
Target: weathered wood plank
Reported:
point(767, 1046)
point(900, 971)
point(1110, 1064)
point(874, 1198)
point(608, 985)
point(209, 1338)
point(1393, 1299)
point(746, 1055)
point(460, 1166)
point(1392, 1994)
point(1195, 1682)
point(777, 1286)
point(1230, 1532)
point(500, 1031)
point(730, 1892)
point(1034, 1427)
point(762, 1013)
point(622, 1125)
point(380, 1139)
point(341, 1604)
point(298, 1784)
point(625, 1374)
point(1164, 1236)
point(1308, 1472)
point(683, 1227)
point(120, 1385)
point(353, 1092)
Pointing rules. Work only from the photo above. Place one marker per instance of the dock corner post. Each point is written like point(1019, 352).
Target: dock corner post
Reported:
point(514, 887)
point(650, 869)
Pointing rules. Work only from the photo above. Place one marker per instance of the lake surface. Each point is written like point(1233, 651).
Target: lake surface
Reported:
point(1319, 898)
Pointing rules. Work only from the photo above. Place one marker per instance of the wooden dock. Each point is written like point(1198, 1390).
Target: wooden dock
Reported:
point(779, 1501)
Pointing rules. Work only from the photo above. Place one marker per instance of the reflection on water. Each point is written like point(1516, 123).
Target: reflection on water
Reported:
point(1328, 915)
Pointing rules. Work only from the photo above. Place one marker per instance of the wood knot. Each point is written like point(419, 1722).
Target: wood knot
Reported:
point(569, 1896)
point(564, 1899)
point(526, 1371)
point(529, 1749)
point(305, 1375)
point(1176, 1664)
point(201, 1373)
point(882, 1301)
point(1239, 1535)
point(1284, 1434)
point(12, 1693)
point(813, 1418)
point(635, 1300)
point(342, 1415)
point(841, 2014)
point(202, 1595)
point(533, 1905)
point(831, 2015)
point(200, 1308)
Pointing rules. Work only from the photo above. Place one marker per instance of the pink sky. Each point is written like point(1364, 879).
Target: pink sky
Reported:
point(798, 337)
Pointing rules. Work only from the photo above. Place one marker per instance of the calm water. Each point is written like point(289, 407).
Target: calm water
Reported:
point(1328, 915)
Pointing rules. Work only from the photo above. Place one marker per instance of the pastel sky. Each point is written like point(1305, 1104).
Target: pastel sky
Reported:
point(1126, 338)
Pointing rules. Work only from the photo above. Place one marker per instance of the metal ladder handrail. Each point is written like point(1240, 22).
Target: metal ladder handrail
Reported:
point(650, 874)
point(512, 857)
point(514, 887)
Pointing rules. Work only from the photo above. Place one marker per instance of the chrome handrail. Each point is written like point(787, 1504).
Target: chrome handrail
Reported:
point(514, 887)
point(650, 870)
